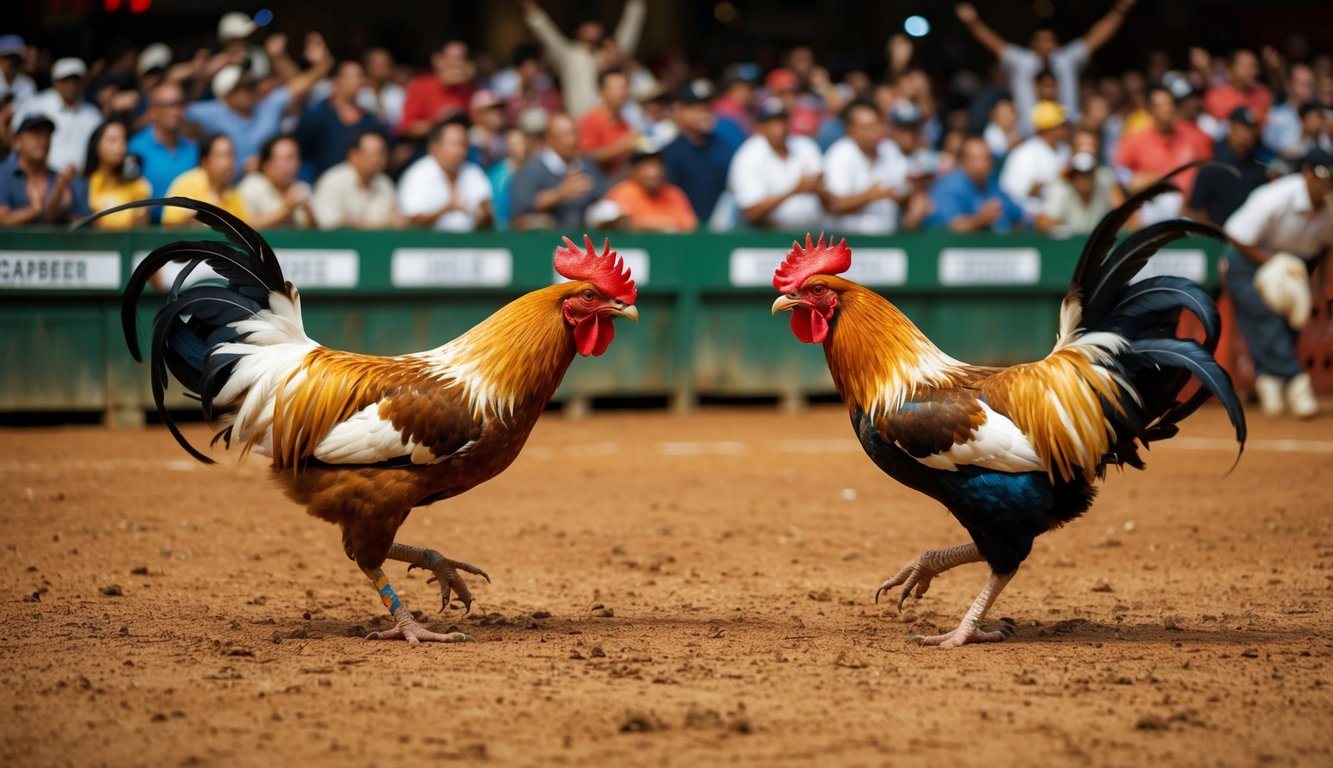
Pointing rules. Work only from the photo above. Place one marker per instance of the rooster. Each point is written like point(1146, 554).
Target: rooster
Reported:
point(1013, 452)
point(361, 440)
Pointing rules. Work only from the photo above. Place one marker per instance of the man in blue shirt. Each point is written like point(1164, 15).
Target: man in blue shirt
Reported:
point(248, 120)
point(698, 159)
point(30, 192)
point(164, 152)
point(329, 128)
point(969, 199)
point(1238, 168)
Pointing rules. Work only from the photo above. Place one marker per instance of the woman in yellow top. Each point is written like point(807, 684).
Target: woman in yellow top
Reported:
point(111, 177)
point(210, 182)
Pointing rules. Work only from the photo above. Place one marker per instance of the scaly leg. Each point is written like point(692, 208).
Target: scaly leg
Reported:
point(407, 628)
point(921, 569)
point(967, 631)
point(445, 570)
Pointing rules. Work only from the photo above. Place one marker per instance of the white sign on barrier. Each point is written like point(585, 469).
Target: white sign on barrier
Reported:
point(870, 266)
point(990, 266)
point(1181, 262)
point(25, 270)
point(451, 267)
point(304, 267)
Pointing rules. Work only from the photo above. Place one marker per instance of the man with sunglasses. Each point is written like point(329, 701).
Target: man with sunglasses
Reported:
point(163, 150)
point(1277, 236)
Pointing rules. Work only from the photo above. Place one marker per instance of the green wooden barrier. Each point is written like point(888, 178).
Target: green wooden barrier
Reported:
point(704, 303)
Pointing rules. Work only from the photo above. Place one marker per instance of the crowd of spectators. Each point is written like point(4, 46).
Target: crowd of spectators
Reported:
point(575, 132)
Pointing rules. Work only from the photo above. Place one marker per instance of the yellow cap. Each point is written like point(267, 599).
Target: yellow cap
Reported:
point(1047, 115)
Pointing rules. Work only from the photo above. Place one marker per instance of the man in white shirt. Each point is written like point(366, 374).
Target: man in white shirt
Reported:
point(1035, 164)
point(442, 190)
point(1044, 52)
point(776, 178)
point(357, 194)
point(12, 80)
point(866, 176)
point(1292, 215)
point(75, 118)
point(273, 196)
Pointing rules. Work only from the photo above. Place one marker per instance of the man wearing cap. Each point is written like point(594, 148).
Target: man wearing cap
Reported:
point(1037, 162)
point(487, 134)
point(74, 119)
point(328, 128)
point(776, 178)
point(1044, 52)
point(576, 60)
point(249, 121)
point(1087, 191)
point(30, 192)
point(866, 176)
point(1219, 189)
point(645, 200)
point(1286, 218)
point(1158, 148)
point(736, 103)
point(12, 79)
point(698, 158)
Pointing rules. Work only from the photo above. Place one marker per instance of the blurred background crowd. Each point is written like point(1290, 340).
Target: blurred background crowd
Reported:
point(576, 125)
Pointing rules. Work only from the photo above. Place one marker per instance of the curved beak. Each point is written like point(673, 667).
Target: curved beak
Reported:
point(628, 311)
point(786, 304)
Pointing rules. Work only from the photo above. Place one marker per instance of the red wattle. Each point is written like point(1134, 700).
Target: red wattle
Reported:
point(808, 325)
point(593, 334)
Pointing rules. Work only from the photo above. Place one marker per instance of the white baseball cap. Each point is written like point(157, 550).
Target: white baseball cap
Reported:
point(235, 25)
point(226, 80)
point(69, 67)
point(155, 56)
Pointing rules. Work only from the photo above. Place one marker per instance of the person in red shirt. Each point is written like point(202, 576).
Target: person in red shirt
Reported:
point(646, 200)
point(444, 91)
point(1160, 147)
point(1242, 88)
point(604, 136)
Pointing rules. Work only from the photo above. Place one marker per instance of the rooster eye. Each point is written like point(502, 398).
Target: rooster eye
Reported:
point(818, 290)
point(588, 296)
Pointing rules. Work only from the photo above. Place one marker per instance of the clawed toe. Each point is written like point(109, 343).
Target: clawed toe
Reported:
point(415, 634)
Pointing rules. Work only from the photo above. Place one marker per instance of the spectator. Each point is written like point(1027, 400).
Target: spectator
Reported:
point(1150, 153)
point(653, 118)
point(1283, 133)
point(328, 128)
point(776, 178)
point(211, 182)
point(30, 192)
point(1077, 202)
point(273, 195)
point(439, 94)
point(1241, 89)
point(645, 200)
point(604, 135)
point(528, 86)
point(487, 134)
point(698, 158)
point(576, 61)
point(151, 67)
point(1291, 215)
point(12, 80)
point(866, 177)
point(443, 190)
point(164, 152)
point(554, 188)
point(6, 123)
point(356, 194)
point(74, 118)
point(1219, 189)
point(1039, 160)
point(381, 96)
point(784, 84)
point(737, 100)
point(111, 178)
point(905, 130)
point(247, 119)
point(1044, 52)
point(502, 172)
point(1001, 132)
point(968, 199)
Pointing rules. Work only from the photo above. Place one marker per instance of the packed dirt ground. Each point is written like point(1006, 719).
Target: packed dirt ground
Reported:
point(667, 591)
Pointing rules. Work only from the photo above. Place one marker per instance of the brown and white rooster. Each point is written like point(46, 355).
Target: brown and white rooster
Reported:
point(361, 440)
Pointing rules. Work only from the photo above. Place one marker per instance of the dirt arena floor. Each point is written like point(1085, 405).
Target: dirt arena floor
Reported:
point(667, 591)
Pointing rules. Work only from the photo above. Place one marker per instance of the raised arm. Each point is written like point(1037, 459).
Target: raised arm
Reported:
point(988, 37)
point(1106, 27)
point(321, 61)
point(630, 27)
point(556, 44)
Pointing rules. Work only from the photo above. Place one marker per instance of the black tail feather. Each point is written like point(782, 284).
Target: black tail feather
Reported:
point(195, 320)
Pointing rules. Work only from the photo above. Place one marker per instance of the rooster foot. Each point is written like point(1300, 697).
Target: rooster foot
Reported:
point(408, 629)
point(916, 575)
point(964, 635)
point(446, 573)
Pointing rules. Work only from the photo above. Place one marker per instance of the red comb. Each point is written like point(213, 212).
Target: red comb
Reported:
point(606, 271)
point(814, 259)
